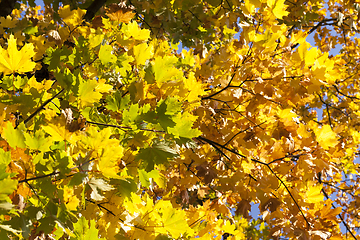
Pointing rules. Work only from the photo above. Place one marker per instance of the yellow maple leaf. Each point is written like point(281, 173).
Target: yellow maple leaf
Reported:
point(133, 30)
point(108, 164)
point(306, 54)
point(195, 88)
point(326, 137)
point(12, 60)
point(248, 7)
point(313, 194)
point(70, 200)
point(143, 52)
point(58, 131)
point(328, 212)
point(90, 91)
point(286, 113)
point(71, 17)
point(277, 7)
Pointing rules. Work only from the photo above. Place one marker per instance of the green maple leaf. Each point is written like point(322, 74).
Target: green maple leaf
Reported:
point(144, 176)
point(170, 106)
point(183, 127)
point(164, 113)
point(5, 157)
point(38, 141)
point(116, 102)
point(126, 187)
point(56, 56)
point(123, 64)
point(64, 77)
point(7, 186)
point(155, 155)
point(130, 115)
point(83, 232)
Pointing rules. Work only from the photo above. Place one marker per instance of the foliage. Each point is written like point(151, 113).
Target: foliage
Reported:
point(110, 131)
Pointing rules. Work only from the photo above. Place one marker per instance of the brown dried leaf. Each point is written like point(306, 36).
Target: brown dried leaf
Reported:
point(204, 170)
point(184, 196)
point(272, 204)
point(97, 22)
point(301, 234)
point(243, 208)
point(54, 36)
point(274, 232)
point(71, 124)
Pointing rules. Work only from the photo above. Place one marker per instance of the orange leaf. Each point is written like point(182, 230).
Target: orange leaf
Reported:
point(120, 12)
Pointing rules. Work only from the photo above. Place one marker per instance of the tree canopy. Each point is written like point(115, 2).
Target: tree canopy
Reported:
point(176, 119)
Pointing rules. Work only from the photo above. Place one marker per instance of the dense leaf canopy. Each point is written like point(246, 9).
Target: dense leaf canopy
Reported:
point(179, 119)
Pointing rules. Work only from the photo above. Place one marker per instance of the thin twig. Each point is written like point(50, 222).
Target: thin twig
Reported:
point(342, 219)
point(40, 108)
point(26, 180)
point(123, 127)
point(262, 163)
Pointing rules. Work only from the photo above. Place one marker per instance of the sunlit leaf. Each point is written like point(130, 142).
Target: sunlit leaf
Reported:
point(12, 60)
point(14, 137)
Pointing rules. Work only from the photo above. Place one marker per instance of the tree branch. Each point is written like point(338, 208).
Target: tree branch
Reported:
point(6, 7)
point(92, 9)
point(40, 108)
point(342, 219)
point(39, 177)
point(265, 164)
point(123, 127)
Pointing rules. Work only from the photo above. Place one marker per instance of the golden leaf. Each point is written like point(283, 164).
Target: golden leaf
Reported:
point(71, 201)
point(326, 137)
point(13, 60)
point(313, 194)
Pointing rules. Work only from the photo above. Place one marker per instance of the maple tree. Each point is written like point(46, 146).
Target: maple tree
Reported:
point(109, 131)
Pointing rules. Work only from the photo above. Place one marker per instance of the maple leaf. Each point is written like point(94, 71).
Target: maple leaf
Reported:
point(243, 208)
point(327, 212)
point(90, 91)
point(38, 141)
point(58, 130)
point(195, 88)
point(71, 201)
point(120, 12)
point(173, 220)
point(183, 127)
point(143, 52)
point(326, 137)
point(155, 155)
point(14, 137)
point(12, 60)
point(132, 30)
point(71, 17)
point(105, 54)
point(313, 193)
point(83, 232)
point(277, 7)
point(98, 183)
